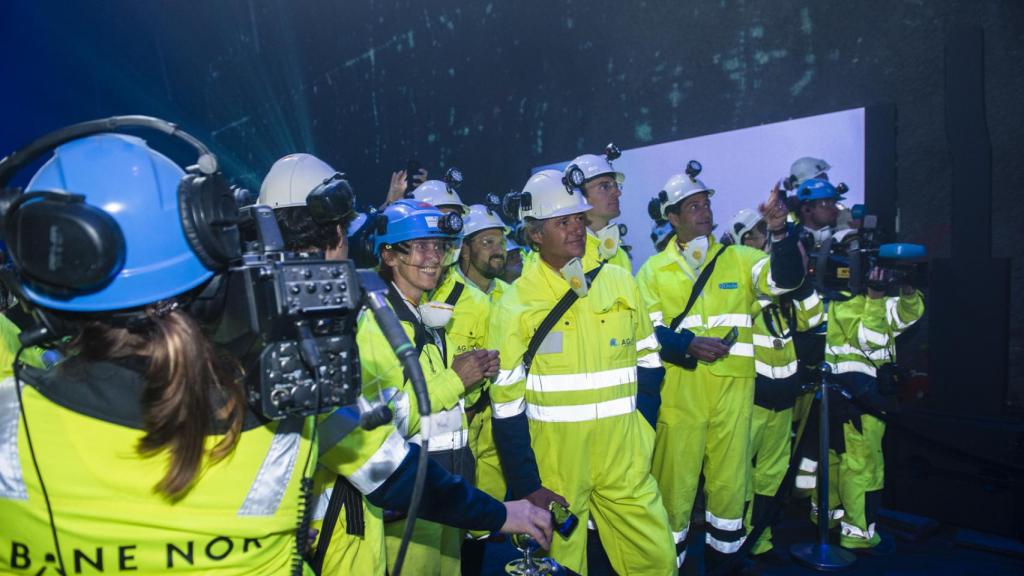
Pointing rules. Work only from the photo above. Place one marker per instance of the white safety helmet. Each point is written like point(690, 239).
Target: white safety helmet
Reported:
point(744, 221)
point(593, 166)
point(546, 196)
point(292, 178)
point(679, 188)
point(806, 168)
point(480, 217)
point(439, 194)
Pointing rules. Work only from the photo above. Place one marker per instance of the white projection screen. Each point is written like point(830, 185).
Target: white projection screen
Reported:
point(741, 165)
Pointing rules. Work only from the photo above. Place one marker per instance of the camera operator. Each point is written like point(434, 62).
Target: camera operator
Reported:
point(357, 541)
point(860, 346)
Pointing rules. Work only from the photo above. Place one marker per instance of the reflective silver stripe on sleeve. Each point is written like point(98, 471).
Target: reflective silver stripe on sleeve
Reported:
point(271, 481)
point(381, 465)
point(510, 377)
point(12, 482)
point(402, 408)
point(758, 269)
point(651, 360)
point(657, 318)
point(811, 301)
point(649, 343)
point(509, 409)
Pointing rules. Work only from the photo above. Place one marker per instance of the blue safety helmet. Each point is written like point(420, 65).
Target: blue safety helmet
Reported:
point(138, 188)
point(412, 219)
point(816, 189)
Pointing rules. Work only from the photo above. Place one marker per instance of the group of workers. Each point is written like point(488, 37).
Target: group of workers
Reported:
point(555, 378)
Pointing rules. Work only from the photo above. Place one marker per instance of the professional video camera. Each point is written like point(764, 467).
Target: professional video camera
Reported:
point(290, 318)
point(844, 260)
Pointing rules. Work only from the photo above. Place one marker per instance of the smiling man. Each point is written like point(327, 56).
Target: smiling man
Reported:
point(566, 424)
point(708, 397)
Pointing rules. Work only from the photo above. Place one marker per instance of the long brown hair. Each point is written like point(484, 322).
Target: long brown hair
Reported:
point(191, 391)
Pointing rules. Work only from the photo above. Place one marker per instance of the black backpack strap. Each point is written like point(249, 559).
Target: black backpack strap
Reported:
point(405, 315)
point(455, 294)
point(553, 317)
point(344, 495)
point(698, 287)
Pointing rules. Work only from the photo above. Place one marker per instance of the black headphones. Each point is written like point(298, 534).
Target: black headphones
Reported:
point(331, 201)
point(64, 246)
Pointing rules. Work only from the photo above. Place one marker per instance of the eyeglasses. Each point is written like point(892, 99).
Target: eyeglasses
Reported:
point(424, 247)
point(489, 242)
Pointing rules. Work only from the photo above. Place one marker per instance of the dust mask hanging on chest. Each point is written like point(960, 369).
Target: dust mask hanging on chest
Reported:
point(695, 252)
point(436, 314)
point(573, 273)
point(608, 241)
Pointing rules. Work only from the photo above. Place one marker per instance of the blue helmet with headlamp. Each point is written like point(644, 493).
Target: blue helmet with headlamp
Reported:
point(816, 189)
point(407, 220)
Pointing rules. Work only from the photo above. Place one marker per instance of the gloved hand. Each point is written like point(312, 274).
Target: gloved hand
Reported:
point(674, 345)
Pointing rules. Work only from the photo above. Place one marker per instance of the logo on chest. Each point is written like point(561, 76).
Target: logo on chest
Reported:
point(728, 285)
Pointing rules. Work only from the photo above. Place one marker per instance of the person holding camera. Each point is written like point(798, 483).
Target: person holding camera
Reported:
point(576, 351)
point(860, 347)
point(700, 295)
point(777, 383)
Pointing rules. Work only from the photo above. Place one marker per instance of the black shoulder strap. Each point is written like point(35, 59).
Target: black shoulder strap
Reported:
point(698, 287)
point(405, 315)
point(455, 294)
point(344, 495)
point(552, 318)
point(419, 330)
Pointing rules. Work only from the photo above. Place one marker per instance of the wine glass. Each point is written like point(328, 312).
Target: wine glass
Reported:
point(528, 565)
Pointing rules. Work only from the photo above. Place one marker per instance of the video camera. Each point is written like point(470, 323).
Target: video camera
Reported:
point(290, 319)
point(844, 260)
